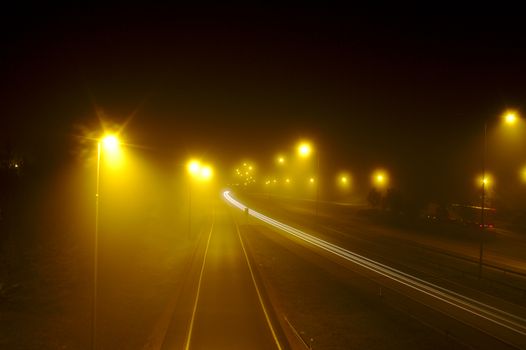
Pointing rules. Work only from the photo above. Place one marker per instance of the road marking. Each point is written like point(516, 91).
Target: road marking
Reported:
point(488, 312)
point(269, 323)
point(190, 329)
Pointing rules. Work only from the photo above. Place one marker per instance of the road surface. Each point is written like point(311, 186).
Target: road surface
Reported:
point(496, 326)
point(221, 305)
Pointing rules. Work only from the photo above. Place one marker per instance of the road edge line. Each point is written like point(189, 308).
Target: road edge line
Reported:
point(191, 327)
point(267, 317)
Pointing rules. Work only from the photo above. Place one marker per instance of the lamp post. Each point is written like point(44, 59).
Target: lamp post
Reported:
point(510, 118)
point(200, 172)
point(110, 144)
point(483, 198)
point(304, 151)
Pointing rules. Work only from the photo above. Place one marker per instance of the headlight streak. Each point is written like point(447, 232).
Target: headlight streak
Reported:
point(490, 313)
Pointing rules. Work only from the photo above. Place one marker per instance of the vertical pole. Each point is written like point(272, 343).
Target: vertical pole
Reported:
point(95, 256)
point(190, 209)
point(317, 181)
point(482, 223)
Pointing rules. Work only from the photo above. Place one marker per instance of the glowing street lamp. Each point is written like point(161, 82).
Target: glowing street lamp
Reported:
point(523, 174)
point(200, 172)
point(343, 181)
point(206, 173)
point(484, 180)
point(510, 118)
point(193, 167)
point(380, 179)
point(305, 149)
point(110, 145)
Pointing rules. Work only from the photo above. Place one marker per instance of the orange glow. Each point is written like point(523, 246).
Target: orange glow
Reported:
point(304, 149)
point(380, 178)
point(193, 167)
point(510, 117)
point(112, 154)
point(343, 180)
point(110, 143)
point(206, 173)
point(485, 180)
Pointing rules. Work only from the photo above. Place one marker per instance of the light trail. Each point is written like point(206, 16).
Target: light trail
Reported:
point(496, 316)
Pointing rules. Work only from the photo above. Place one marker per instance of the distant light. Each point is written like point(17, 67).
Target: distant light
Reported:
point(344, 179)
point(250, 167)
point(110, 143)
point(287, 180)
point(274, 180)
point(380, 178)
point(193, 167)
point(16, 165)
point(206, 172)
point(304, 149)
point(485, 181)
point(281, 160)
point(244, 164)
point(510, 117)
point(311, 180)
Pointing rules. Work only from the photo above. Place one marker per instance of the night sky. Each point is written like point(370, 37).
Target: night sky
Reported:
point(408, 91)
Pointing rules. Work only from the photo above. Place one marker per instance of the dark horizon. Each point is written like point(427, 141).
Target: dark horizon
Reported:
point(409, 93)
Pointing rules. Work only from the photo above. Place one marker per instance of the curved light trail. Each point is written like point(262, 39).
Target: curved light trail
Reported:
point(496, 316)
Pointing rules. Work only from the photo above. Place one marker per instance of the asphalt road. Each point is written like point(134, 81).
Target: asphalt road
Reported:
point(454, 309)
point(221, 306)
point(449, 256)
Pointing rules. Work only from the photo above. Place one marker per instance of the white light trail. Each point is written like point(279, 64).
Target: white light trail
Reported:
point(488, 312)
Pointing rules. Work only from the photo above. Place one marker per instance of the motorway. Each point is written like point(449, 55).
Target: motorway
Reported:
point(224, 301)
point(221, 305)
point(472, 319)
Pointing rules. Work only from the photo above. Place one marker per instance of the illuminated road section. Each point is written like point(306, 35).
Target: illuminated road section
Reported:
point(514, 327)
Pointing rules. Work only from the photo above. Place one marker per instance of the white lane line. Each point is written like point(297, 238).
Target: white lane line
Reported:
point(190, 329)
point(269, 323)
point(497, 316)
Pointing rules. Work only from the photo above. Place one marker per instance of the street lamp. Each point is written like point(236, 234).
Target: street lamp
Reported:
point(380, 179)
point(510, 118)
point(200, 172)
point(110, 145)
point(305, 149)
